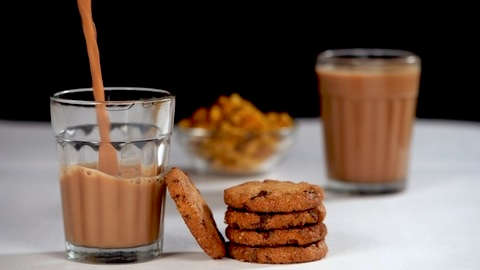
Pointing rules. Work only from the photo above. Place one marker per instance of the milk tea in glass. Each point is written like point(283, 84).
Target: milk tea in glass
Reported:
point(112, 176)
point(368, 104)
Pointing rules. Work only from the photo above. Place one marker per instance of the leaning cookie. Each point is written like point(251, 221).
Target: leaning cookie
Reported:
point(196, 213)
point(275, 220)
point(274, 196)
point(278, 254)
point(294, 236)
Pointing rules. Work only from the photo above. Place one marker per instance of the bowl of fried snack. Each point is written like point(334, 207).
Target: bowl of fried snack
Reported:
point(234, 137)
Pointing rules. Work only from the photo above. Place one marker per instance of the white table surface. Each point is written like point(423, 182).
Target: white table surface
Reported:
point(433, 224)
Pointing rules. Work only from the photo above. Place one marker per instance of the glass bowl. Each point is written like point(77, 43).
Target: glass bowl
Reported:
point(239, 152)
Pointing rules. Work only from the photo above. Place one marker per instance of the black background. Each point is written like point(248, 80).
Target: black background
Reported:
point(266, 53)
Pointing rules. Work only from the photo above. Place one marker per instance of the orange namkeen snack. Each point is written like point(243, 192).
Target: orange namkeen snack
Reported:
point(241, 137)
point(236, 113)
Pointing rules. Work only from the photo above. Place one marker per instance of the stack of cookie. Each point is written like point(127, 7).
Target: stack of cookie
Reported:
point(277, 222)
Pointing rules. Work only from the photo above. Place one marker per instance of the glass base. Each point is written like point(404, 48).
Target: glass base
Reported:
point(365, 188)
point(113, 255)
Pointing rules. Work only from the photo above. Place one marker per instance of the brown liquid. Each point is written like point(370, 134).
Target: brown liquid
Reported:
point(368, 117)
point(112, 207)
point(104, 211)
point(107, 154)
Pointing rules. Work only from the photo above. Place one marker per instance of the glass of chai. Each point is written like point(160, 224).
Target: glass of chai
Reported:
point(112, 158)
point(368, 105)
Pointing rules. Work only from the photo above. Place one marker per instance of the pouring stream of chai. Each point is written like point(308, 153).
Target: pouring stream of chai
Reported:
point(107, 161)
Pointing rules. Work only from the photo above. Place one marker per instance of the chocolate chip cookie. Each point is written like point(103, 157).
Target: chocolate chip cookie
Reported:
point(292, 236)
point(278, 254)
point(196, 213)
point(239, 219)
point(274, 196)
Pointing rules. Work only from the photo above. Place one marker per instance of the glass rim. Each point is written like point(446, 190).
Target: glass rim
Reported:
point(368, 56)
point(57, 97)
